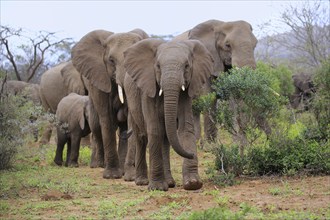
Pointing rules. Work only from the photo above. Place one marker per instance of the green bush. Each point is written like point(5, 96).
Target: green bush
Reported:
point(321, 100)
point(289, 158)
point(229, 159)
point(14, 120)
point(280, 76)
point(246, 101)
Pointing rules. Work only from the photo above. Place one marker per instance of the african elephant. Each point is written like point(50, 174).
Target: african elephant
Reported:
point(30, 91)
point(72, 117)
point(55, 84)
point(304, 89)
point(162, 77)
point(99, 57)
point(231, 44)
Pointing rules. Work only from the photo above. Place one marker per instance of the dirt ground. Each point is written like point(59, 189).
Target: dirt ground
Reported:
point(267, 194)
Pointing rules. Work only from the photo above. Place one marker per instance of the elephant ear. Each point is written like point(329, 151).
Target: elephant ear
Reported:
point(72, 79)
point(87, 58)
point(140, 32)
point(205, 33)
point(202, 66)
point(139, 64)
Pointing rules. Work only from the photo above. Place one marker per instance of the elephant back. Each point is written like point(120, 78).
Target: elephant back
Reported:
point(52, 88)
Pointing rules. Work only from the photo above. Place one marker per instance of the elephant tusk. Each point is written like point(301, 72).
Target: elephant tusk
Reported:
point(120, 93)
point(160, 92)
point(183, 88)
point(274, 92)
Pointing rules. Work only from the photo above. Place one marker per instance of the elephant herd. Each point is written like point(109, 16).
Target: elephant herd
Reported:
point(141, 89)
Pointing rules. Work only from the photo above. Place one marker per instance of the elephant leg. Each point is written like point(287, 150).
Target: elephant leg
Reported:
point(46, 134)
point(111, 158)
point(122, 145)
point(210, 129)
point(157, 176)
point(191, 178)
point(102, 102)
point(75, 146)
point(131, 150)
point(141, 167)
point(62, 139)
point(167, 165)
point(197, 126)
point(68, 152)
point(263, 124)
point(93, 163)
point(97, 157)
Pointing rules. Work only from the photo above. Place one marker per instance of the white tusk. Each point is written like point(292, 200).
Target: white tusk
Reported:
point(120, 93)
point(160, 92)
point(183, 88)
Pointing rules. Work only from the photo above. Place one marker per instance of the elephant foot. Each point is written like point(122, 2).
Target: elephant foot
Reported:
point(192, 181)
point(58, 162)
point(93, 164)
point(129, 173)
point(141, 181)
point(170, 181)
point(112, 173)
point(73, 164)
point(158, 185)
point(100, 164)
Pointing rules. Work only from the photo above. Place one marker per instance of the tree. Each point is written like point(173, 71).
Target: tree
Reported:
point(305, 44)
point(35, 55)
point(310, 32)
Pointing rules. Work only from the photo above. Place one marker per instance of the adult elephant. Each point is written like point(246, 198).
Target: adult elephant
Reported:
point(304, 90)
point(162, 77)
point(55, 84)
point(30, 91)
point(231, 44)
point(99, 57)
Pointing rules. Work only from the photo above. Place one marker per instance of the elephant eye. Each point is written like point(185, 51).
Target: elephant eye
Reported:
point(186, 67)
point(227, 45)
point(111, 60)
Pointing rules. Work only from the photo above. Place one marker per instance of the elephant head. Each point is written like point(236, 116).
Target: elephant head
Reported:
point(304, 90)
point(73, 80)
point(87, 58)
point(230, 43)
point(173, 69)
point(99, 56)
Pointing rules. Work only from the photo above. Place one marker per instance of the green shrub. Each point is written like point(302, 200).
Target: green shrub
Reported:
point(14, 120)
point(229, 159)
point(321, 100)
point(295, 156)
point(280, 76)
point(246, 101)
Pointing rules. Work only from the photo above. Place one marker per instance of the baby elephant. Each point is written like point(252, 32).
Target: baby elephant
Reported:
point(72, 124)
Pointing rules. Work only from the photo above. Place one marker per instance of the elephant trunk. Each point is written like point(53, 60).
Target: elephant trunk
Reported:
point(171, 97)
point(244, 57)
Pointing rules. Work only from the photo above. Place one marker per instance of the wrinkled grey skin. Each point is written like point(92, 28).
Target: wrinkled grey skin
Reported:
point(152, 65)
point(304, 89)
point(29, 91)
point(55, 84)
point(98, 56)
point(231, 44)
point(72, 116)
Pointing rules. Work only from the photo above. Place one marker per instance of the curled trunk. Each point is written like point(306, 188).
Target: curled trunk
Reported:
point(170, 109)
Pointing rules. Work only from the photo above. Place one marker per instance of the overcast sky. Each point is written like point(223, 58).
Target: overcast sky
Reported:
point(76, 18)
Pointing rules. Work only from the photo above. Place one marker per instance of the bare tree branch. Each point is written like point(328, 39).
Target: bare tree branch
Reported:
point(35, 53)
